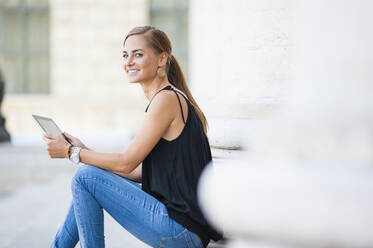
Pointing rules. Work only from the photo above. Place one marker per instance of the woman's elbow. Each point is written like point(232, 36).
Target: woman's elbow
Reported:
point(125, 166)
point(125, 170)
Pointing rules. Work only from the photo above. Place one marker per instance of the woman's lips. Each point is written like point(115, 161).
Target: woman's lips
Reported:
point(132, 72)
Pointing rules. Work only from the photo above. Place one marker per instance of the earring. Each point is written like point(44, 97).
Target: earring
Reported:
point(161, 72)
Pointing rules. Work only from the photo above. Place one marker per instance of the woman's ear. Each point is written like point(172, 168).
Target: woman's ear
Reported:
point(163, 59)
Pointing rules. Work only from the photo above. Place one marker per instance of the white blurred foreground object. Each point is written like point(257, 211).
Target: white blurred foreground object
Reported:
point(308, 181)
point(306, 207)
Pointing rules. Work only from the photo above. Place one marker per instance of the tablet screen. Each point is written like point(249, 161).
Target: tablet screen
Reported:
point(47, 125)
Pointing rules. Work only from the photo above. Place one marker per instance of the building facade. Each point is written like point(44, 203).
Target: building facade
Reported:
point(64, 59)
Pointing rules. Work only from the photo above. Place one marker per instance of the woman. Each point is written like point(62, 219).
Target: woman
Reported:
point(167, 155)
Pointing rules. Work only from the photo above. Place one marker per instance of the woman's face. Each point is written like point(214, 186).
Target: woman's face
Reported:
point(140, 60)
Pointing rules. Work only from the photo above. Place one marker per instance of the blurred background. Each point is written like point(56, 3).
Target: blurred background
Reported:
point(62, 59)
point(282, 81)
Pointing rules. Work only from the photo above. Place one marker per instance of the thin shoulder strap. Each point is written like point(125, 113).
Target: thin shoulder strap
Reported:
point(165, 88)
point(178, 98)
point(181, 107)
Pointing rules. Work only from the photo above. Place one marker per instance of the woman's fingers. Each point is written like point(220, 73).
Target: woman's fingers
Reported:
point(55, 145)
point(47, 139)
point(67, 138)
point(68, 135)
point(73, 140)
point(51, 136)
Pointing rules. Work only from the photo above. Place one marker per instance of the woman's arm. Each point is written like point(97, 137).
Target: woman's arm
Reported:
point(135, 175)
point(157, 120)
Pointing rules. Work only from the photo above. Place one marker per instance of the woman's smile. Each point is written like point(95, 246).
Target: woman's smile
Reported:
point(132, 72)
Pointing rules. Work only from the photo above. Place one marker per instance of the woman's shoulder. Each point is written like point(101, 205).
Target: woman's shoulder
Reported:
point(164, 100)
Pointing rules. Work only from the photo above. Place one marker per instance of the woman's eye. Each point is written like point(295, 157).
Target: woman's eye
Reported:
point(138, 55)
point(125, 56)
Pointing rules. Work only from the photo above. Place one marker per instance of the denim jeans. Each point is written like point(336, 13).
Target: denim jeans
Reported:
point(94, 189)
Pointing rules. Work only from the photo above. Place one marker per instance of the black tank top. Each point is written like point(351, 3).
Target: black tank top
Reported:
point(171, 171)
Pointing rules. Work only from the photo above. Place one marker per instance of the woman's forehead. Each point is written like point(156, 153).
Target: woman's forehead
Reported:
point(135, 42)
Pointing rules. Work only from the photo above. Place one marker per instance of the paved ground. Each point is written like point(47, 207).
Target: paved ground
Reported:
point(35, 193)
point(34, 197)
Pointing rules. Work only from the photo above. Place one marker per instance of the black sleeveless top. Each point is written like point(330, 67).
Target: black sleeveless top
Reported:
point(171, 171)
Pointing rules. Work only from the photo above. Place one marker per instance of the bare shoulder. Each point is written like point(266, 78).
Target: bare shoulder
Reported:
point(164, 100)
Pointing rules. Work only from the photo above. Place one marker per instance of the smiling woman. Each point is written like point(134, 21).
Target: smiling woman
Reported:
point(140, 60)
point(167, 155)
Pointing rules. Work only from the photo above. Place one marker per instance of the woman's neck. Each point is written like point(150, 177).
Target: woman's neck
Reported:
point(151, 88)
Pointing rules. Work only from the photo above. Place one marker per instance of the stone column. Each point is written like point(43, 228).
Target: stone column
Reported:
point(308, 180)
point(239, 63)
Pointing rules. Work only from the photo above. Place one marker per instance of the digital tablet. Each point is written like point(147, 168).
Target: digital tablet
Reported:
point(48, 125)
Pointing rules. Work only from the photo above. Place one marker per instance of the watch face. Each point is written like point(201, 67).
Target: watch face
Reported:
point(75, 159)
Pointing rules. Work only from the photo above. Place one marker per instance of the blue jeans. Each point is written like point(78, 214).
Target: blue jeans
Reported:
point(142, 215)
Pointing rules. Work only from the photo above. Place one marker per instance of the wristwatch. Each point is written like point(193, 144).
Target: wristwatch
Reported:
point(75, 156)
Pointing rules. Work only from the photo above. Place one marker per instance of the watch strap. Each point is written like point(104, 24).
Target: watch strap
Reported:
point(69, 151)
point(75, 156)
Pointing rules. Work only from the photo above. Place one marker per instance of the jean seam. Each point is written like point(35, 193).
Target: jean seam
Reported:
point(188, 240)
point(198, 238)
point(68, 232)
point(182, 233)
point(120, 192)
point(76, 203)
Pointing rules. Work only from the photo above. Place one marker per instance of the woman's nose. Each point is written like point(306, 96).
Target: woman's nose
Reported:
point(129, 60)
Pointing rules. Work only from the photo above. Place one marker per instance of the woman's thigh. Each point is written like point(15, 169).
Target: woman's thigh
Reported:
point(138, 212)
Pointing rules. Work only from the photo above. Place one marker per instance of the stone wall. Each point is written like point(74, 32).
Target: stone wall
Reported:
point(89, 88)
point(240, 53)
point(86, 46)
point(307, 179)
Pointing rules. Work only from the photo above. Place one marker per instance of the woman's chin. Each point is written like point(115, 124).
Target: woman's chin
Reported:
point(133, 80)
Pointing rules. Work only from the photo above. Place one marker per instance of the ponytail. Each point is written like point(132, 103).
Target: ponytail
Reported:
point(176, 77)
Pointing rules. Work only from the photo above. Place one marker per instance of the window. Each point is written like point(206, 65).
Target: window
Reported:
point(171, 16)
point(24, 45)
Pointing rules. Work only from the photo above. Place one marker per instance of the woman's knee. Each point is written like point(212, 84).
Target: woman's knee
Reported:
point(85, 171)
point(87, 175)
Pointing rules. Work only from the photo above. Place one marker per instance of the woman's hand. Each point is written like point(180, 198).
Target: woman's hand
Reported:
point(74, 141)
point(57, 146)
